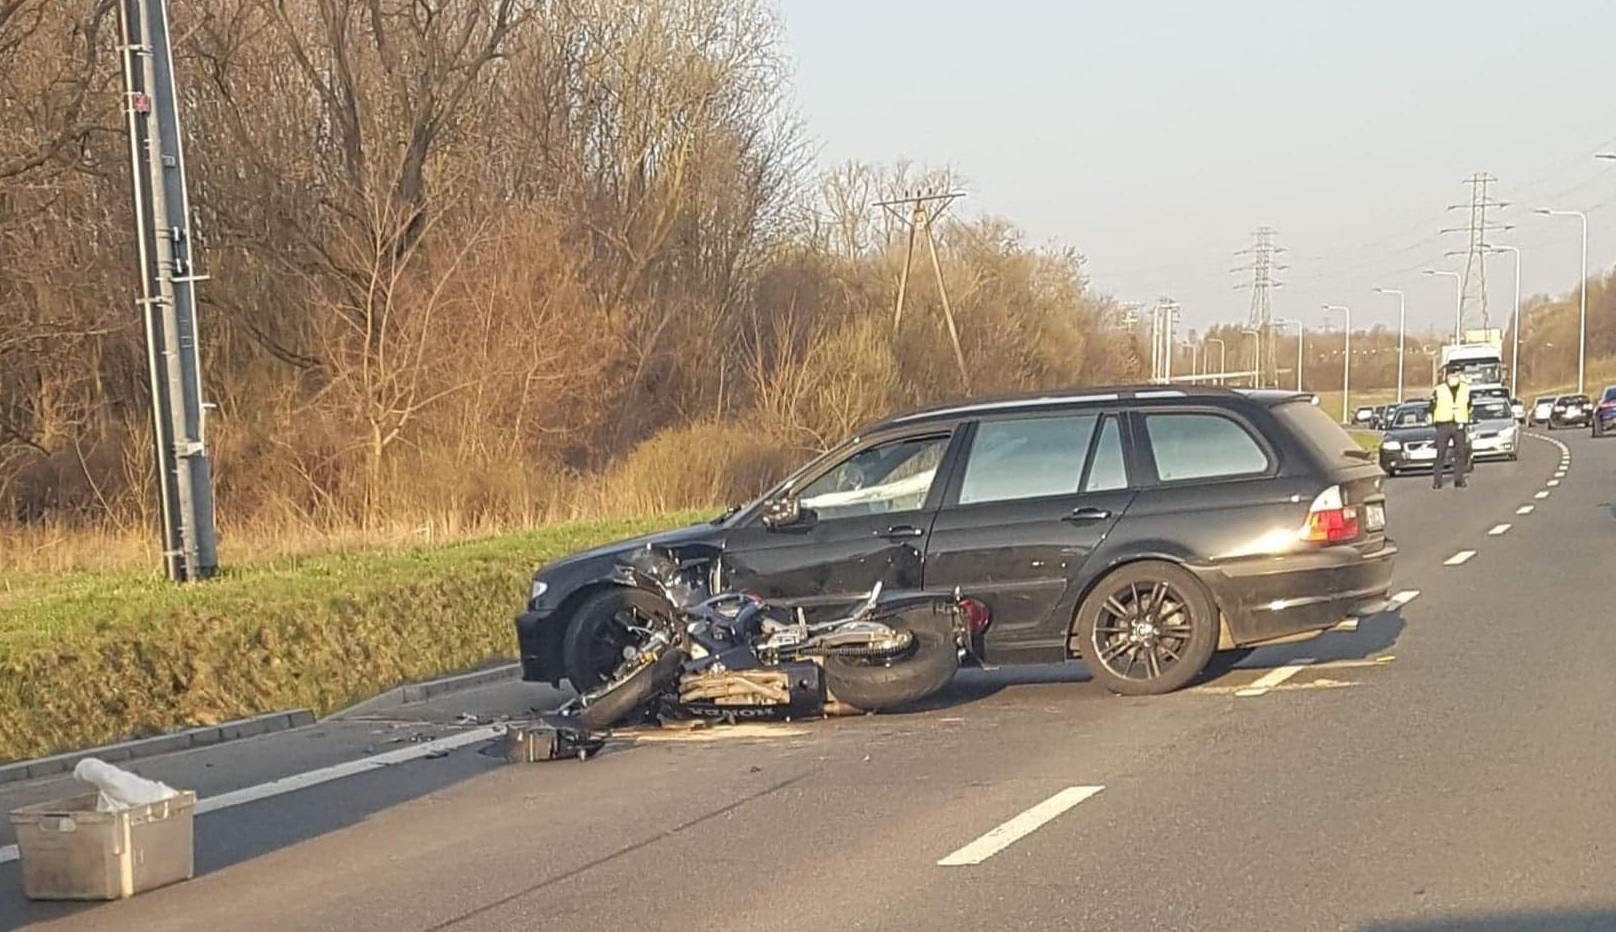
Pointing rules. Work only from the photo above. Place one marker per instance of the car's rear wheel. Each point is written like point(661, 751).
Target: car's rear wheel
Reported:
point(1147, 628)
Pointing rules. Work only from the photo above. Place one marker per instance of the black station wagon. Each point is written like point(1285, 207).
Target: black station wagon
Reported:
point(1139, 529)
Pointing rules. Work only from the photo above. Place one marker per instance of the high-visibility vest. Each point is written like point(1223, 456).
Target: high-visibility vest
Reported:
point(1451, 405)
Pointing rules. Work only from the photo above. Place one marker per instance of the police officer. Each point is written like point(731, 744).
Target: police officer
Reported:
point(1450, 414)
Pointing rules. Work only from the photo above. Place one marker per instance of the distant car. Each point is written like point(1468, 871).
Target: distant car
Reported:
point(1542, 408)
point(1493, 431)
point(1605, 413)
point(1409, 443)
point(1364, 415)
point(1571, 411)
point(1518, 409)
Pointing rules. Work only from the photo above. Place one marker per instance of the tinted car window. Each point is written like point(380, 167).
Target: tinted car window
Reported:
point(893, 476)
point(1109, 471)
point(1412, 416)
point(1610, 394)
point(1319, 429)
point(1026, 458)
point(1202, 446)
point(1493, 410)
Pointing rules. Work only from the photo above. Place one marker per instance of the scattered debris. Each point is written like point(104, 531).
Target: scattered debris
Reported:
point(551, 739)
point(466, 718)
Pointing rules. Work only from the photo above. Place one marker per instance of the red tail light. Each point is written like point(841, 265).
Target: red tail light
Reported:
point(977, 616)
point(1329, 519)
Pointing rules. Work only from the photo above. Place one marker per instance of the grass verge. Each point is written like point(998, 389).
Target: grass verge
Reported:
point(89, 658)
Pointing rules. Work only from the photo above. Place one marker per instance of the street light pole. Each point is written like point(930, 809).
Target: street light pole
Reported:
point(1346, 362)
point(1458, 302)
point(1402, 329)
point(1223, 356)
point(1515, 351)
point(1301, 336)
point(1582, 326)
point(1257, 357)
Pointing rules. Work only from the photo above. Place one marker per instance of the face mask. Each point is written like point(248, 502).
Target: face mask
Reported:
point(1453, 381)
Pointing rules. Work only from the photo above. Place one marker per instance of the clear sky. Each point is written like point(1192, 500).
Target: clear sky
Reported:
point(1155, 136)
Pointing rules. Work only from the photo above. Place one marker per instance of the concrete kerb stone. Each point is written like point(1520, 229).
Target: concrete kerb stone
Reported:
point(252, 727)
point(161, 744)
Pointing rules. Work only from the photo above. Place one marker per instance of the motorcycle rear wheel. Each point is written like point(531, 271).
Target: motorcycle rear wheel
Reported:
point(877, 687)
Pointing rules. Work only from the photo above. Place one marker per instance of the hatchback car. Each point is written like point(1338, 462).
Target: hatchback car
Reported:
point(1604, 417)
point(1542, 410)
point(1140, 529)
point(1571, 411)
point(1493, 432)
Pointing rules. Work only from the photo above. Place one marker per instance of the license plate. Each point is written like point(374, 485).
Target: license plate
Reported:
point(1573, 411)
point(1423, 455)
point(1375, 516)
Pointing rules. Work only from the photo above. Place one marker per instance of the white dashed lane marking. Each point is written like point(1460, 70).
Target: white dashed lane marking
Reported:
point(1525, 509)
point(1459, 559)
point(1542, 495)
point(1553, 482)
point(1019, 827)
point(1273, 678)
point(1498, 530)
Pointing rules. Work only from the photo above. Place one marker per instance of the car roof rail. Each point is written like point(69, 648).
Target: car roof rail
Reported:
point(1057, 397)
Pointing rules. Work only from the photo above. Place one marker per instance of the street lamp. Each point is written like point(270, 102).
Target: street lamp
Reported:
point(1301, 336)
point(1346, 361)
point(1223, 357)
point(1458, 301)
point(1582, 326)
point(1402, 327)
point(1515, 352)
point(1256, 356)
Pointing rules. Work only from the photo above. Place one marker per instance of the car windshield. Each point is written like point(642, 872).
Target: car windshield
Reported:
point(1493, 411)
point(1411, 416)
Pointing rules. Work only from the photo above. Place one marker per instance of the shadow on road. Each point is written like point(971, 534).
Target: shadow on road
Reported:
point(1375, 635)
point(1559, 921)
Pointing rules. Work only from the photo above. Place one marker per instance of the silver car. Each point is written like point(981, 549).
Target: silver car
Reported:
point(1494, 432)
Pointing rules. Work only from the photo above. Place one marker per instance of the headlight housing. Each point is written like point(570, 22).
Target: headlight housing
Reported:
point(539, 588)
point(1390, 445)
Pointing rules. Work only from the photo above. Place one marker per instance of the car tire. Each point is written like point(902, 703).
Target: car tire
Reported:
point(584, 658)
point(1129, 587)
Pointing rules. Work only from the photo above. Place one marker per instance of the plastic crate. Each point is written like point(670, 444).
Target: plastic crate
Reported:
point(69, 851)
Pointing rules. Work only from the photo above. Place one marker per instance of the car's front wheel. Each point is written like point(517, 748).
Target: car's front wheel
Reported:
point(1147, 628)
point(601, 629)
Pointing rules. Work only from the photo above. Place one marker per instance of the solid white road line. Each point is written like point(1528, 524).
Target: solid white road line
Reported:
point(1542, 495)
point(1459, 558)
point(1498, 530)
point(1525, 509)
point(326, 774)
point(1019, 827)
point(1273, 678)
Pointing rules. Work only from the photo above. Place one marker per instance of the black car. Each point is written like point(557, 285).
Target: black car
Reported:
point(1409, 442)
point(1571, 411)
point(1141, 529)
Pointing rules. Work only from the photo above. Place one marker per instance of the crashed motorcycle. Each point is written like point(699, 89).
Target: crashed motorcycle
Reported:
point(735, 656)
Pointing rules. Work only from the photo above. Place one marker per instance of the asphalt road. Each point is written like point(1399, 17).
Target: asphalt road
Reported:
point(1441, 767)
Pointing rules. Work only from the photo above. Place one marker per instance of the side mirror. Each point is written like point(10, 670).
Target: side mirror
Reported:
point(782, 512)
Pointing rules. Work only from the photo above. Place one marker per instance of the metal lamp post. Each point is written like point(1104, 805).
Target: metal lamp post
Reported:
point(1458, 301)
point(1402, 329)
point(1223, 356)
point(1515, 352)
point(1582, 326)
point(1257, 356)
point(1346, 361)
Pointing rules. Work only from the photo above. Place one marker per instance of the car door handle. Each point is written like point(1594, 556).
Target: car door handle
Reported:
point(1088, 514)
point(900, 531)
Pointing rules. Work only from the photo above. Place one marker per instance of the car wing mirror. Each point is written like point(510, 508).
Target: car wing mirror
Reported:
point(782, 512)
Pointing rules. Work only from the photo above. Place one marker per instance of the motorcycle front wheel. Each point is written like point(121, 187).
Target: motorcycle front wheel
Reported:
point(876, 686)
point(634, 694)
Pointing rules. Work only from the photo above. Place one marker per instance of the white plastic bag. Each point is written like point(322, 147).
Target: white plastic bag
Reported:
point(120, 789)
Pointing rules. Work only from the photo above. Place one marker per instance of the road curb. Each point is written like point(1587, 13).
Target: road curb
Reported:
point(161, 744)
point(431, 689)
